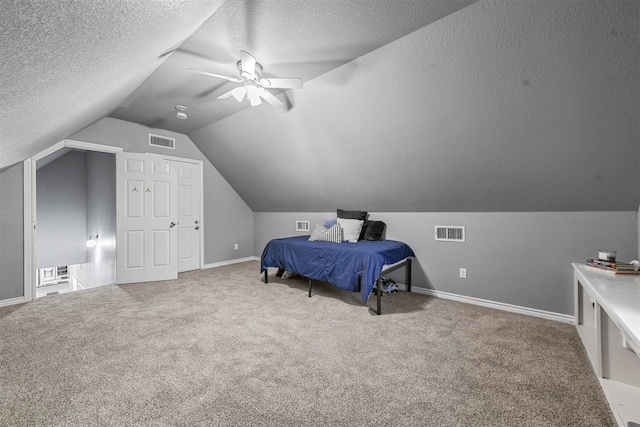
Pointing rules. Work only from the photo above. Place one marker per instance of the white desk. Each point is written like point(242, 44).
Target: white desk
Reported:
point(607, 316)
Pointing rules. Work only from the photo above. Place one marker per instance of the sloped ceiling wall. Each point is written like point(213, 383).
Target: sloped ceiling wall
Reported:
point(289, 38)
point(502, 106)
point(67, 64)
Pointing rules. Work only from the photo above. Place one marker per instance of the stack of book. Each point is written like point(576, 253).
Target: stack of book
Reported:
point(611, 267)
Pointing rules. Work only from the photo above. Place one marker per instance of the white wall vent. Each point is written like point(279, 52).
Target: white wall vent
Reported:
point(448, 233)
point(302, 225)
point(162, 141)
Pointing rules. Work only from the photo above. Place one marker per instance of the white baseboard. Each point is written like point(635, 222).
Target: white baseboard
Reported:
point(231, 261)
point(564, 318)
point(12, 301)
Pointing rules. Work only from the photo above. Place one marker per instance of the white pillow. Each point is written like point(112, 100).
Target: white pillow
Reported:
point(350, 229)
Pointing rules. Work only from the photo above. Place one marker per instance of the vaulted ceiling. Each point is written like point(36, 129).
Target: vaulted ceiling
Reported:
point(301, 38)
point(67, 64)
point(406, 106)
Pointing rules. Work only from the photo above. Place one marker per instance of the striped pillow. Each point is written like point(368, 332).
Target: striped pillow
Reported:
point(333, 234)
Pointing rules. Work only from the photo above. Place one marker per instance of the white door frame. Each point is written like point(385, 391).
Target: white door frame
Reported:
point(201, 195)
point(29, 173)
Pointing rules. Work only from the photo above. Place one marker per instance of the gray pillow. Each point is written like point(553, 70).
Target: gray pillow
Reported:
point(318, 232)
point(362, 215)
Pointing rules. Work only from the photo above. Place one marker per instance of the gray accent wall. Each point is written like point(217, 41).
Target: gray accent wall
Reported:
point(228, 219)
point(61, 209)
point(11, 233)
point(517, 258)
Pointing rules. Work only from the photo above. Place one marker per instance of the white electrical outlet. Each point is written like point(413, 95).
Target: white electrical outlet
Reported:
point(235, 246)
point(463, 273)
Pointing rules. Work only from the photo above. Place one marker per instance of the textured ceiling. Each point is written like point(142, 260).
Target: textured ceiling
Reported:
point(426, 105)
point(502, 106)
point(67, 64)
point(290, 38)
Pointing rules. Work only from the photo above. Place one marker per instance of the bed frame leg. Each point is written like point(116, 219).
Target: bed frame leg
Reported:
point(309, 288)
point(379, 297)
point(266, 275)
point(408, 275)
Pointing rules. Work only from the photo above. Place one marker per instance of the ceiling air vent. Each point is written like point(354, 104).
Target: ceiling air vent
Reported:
point(448, 233)
point(302, 225)
point(162, 141)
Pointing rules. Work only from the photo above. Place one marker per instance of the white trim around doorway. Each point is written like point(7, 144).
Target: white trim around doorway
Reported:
point(30, 229)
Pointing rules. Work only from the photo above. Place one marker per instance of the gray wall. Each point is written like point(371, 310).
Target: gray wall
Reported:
point(228, 220)
point(100, 268)
point(11, 233)
point(518, 258)
point(61, 209)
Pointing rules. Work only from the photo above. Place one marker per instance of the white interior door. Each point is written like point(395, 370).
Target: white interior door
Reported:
point(146, 197)
point(189, 211)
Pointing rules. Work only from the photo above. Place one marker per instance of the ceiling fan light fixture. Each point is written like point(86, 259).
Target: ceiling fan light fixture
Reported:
point(181, 112)
point(245, 74)
point(253, 94)
point(253, 87)
point(252, 91)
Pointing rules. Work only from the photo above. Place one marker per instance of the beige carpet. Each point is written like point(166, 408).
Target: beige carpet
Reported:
point(220, 347)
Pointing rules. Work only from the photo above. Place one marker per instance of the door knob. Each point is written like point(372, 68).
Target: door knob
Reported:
point(173, 224)
point(197, 227)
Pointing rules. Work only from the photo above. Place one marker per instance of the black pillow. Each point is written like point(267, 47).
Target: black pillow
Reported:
point(365, 225)
point(375, 231)
point(361, 215)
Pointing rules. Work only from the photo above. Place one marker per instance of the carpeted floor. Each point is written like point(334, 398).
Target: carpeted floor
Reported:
point(220, 347)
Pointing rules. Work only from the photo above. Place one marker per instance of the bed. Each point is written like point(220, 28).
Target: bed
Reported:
point(355, 267)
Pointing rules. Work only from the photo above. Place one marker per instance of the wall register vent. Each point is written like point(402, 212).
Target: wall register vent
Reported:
point(162, 141)
point(302, 225)
point(448, 233)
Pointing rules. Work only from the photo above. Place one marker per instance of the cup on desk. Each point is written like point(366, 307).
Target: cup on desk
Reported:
point(605, 255)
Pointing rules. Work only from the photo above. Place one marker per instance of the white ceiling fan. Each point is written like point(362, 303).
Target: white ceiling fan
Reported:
point(254, 86)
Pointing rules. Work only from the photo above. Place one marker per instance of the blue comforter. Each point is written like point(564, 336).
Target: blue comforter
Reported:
point(349, 266)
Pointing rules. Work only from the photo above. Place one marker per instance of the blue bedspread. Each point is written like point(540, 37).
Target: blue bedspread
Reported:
point(341, 264)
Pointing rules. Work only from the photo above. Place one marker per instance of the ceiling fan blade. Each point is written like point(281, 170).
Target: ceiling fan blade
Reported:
point(281, 83)
point(248, 64)
point(271, 99)
point(219, 76)
point(225, 95)
point(238, 93)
